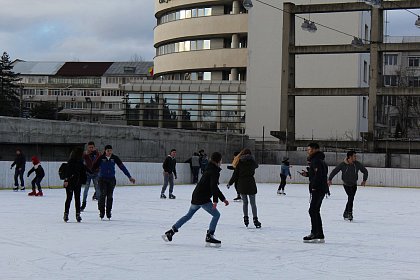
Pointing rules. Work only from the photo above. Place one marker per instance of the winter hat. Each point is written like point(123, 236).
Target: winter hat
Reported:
point(108, 147)
point(35, 160)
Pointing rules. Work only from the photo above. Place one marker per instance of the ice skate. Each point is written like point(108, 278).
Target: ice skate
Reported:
point(101, 215)
point(237, 199)
point(312, 238)
point(346, 215)
point(350, 216)
point(211, 241)
point(39, 193)
point(171, 196)
point(66, 217)
point(15, 189)
point(22, 188)
point(108, 215)
point(162, 196)
point(257, 223)
point(168, 235)
point(82, 208)
point(279, 192)
point(78, 218)
point(246, 221)
point(32, 193)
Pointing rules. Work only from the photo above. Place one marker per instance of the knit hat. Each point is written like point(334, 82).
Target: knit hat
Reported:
point(108, 147)
point(35, 160)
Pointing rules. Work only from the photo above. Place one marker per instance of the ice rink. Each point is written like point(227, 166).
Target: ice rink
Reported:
point(383, 242)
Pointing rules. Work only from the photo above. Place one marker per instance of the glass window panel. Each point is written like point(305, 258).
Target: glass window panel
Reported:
point(207, 76)
point(177, 15)
point(182, 14)
point(193, 45)
point(176, 47)
point(187, 46)
point(181, 46)
point(200, 12)
point(190, 107)
point(187, 13)
point(207, 11)
point(206, 45)
point(194, 13)
point(200, 44)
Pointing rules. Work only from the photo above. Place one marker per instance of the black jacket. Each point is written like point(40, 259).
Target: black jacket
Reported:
point(244, 175)
point(39, 172)
point(349, 172)
point(208, 187)
point(317, 173)
point(76, 173)
point(19, 161)
point(169, 165)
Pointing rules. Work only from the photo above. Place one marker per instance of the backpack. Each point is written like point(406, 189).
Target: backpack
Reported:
point(62, 171)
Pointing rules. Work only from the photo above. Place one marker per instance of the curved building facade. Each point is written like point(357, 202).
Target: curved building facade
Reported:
point(200, 40)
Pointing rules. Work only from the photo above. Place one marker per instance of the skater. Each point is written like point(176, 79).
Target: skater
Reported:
point(206, 188)
point(106, 162)
point(317, 173)
point(75, 177)
point(194, 162)
point(349, 168)
point(231, 167)
point(203, 160)
point(245, 166)
point(169, 174)
point(89, 158)
point(19, 162)
point(39, 175)
point(284, 172)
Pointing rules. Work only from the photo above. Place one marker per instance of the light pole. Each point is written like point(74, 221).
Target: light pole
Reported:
point(89, 100)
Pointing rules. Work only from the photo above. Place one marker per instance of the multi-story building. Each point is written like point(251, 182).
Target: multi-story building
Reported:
point(398, 116)
point(81, 91)
point(200, 40)
point(237, 45)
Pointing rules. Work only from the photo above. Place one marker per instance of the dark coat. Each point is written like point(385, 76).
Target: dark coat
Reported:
point(208, 187)
point(39, 172)
point(19, 161)
point(169, 165)
point(317, 173)
point(75, 173)
point(244, 175)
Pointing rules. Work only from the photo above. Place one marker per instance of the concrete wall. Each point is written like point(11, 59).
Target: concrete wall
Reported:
point(53, 140)
point(151, 174)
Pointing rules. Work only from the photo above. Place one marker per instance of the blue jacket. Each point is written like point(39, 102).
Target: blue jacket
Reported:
point(107, 166)
point(285, 170)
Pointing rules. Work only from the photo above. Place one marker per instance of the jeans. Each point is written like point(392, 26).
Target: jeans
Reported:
point(168, 178)
point(19, 174)
point(195, 170)
point(208, 207)
point(314, 212)
point(282, 182)
point(351, 192)
point(106, 186)
point(69, 195)
point(253, 205)
point(94, 178)
point(36, 182)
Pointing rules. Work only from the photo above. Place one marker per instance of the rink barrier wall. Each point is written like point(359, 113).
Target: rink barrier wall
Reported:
point(147, 173)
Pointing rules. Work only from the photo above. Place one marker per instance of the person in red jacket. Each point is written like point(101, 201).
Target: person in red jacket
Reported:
point(39, 175)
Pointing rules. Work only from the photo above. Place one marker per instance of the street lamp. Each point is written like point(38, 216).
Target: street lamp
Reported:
point(89, 100)
point(247, 4)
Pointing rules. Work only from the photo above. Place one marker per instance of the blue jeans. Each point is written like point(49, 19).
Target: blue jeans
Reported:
point(208, 207)
point(168, 179)
point(94, 178)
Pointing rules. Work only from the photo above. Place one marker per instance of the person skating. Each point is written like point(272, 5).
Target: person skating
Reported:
point(245, 166)
point(204, 161)
point(89, 157)
point(206, 189)
point(349, 168)
point(106, 164)
point(284, 172)
point(169, 174)
point(75, 176)
point(19, 162)
point(238, 197)
point(318, 187)
point(194, 162)
point(39, 175)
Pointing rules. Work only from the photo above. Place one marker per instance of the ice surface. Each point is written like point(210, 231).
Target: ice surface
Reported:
point(383, 241)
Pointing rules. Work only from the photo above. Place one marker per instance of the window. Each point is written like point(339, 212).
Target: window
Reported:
point(364, 107)
point(390, 80)
point(414, 61)
point(365, 72)
point(391, 59)
point(414, 81)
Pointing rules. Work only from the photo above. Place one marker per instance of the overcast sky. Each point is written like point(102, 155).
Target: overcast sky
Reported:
point(100, 30)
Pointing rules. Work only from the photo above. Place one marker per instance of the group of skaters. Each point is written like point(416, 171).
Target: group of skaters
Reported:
point(84, 167)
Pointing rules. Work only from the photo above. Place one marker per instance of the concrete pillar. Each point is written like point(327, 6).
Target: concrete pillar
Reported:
point(375, 80)
point(160, 109)
point(219, 111)
point(141, 109)
point(234, 74)
point(235, 41)
point(179, 114)
point(287, 105)
point(235, 7)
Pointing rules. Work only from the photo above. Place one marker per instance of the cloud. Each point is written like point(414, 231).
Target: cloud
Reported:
point(93, 30)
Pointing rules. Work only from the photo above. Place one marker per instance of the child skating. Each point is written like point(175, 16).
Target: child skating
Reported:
point(284, 172)
point(39, 175)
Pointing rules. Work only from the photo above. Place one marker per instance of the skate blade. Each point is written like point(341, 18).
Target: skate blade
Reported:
point(165, 238)
point(315, 241)
point(213, 245)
